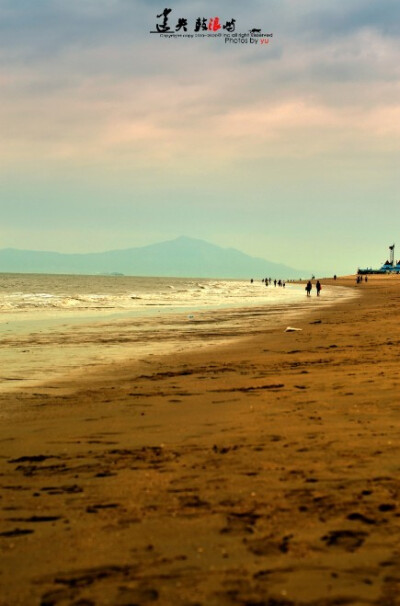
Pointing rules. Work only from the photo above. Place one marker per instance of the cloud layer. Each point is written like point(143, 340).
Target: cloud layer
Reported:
point(92, 102)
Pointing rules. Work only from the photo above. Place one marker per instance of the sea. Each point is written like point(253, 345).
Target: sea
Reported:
point(99, 295)
point(52, 325)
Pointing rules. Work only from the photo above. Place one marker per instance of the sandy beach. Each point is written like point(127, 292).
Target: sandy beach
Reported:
point(261, 472)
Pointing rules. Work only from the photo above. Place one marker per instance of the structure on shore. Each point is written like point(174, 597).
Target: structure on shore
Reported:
point(389, 267)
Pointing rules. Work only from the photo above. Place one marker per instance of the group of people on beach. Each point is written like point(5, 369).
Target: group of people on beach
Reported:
point(309, 286)
point(268, 281)
point(276, 282)
point(281, 283)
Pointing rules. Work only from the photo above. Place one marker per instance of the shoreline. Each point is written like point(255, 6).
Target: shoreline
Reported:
point(49, 348)
point(259, 472)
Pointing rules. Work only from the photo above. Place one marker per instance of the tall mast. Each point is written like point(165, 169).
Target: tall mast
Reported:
point(391, 248)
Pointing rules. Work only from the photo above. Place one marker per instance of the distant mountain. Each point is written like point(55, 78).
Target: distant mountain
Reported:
point(183, 257)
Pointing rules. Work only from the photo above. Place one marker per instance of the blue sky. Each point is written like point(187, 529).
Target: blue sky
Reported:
point(112, 137)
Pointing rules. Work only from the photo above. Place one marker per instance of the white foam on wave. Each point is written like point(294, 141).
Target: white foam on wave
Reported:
point(89, 293)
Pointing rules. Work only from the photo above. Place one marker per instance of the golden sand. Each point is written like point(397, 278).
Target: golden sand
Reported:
point(263, 472)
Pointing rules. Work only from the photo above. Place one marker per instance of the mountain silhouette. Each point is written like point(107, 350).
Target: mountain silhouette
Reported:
point(182, 257)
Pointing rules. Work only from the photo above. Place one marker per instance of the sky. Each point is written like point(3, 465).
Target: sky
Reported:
point(114, 137)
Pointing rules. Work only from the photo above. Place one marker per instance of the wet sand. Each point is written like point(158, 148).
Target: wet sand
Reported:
point(262, 472)
point(45, 345)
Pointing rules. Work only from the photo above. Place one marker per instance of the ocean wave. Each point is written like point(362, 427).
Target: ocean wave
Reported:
point(69, 293)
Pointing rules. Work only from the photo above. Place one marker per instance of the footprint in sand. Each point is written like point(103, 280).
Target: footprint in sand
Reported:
point(36, 519)
point(17, 532)
point(238, 523)
point(349, 540)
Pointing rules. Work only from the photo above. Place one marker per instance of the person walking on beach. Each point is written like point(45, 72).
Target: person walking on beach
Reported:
point(308, 288)
point(318, 287)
